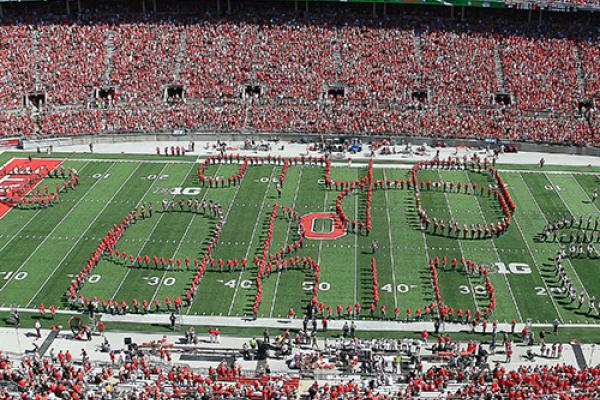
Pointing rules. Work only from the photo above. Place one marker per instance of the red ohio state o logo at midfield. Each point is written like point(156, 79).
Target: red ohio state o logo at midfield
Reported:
point(307, 222)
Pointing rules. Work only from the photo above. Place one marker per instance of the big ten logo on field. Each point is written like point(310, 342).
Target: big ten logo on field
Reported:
point(174, 191)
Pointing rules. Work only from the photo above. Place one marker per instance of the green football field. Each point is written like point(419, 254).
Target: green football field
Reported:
point(42, 250)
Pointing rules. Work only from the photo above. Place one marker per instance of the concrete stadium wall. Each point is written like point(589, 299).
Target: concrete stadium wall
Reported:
point(239, 136)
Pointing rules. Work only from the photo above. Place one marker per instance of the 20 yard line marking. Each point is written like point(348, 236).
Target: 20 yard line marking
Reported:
point(573, 216)
point(88, 191)
point(148, 238)
point(81, 236)
point(497, 254)
point(552, 299)
point(287, 236)
point(235, 292)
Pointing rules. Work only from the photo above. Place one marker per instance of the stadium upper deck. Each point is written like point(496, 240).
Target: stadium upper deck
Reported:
point(331, 72)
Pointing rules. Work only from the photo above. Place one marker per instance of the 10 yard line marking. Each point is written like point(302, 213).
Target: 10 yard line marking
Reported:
point(252, 238)
point(459, 243)
point(82, 235)
point(389, 220)
point(552, 299)
point(497, 254)
point(54, 229)
point(287, 236)
point(13, 237)
point(148, 238)
point(160, 283)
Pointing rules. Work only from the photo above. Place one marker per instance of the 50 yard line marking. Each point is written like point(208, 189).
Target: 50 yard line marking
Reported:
point(160, 283)
point(512, 296)
point(88, 191)
point(148, 238)
point(261, 209)
point(82, 235)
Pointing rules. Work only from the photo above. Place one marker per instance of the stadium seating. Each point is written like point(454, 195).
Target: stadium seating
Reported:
point(425, 76)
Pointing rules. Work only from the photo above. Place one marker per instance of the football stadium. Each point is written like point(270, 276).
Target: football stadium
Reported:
point(235, 199)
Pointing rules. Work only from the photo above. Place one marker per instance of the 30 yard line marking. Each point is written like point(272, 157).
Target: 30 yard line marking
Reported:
point(81, 236)
point(63, 219)
point(160, 283)
point(33, 217)
point(148, 238)
point(261, 208)
point(287, 236)
point(459, 243)
point(552, 299)
point(389, 221)
point(512, 296)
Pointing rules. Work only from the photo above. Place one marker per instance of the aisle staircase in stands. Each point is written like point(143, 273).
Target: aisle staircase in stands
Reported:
point(180, 55)
point(500, 83)
point(108, 62)
point(35, 39)
point(579, 72)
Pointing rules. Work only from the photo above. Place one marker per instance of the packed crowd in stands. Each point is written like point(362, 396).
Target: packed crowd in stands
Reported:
point(422, 76)
point(357, 369)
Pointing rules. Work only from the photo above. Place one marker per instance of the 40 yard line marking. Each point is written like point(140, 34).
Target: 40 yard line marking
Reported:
point(148, 238)
point(225, 216)
point(389, 221)
point(252, 238)
point(512, 296)
point(81, 236)
point(287, 236)
point(552, 299)
point(88, 191)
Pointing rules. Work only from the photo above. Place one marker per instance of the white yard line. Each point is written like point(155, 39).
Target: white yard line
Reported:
point(82, 235)
point(585, 193)
point(225, 216)
point(355, 250)
point(149, 235)
point(287, 236)
point(573, 216)
point(187, 228)
point(13, 237)
point(64, 218)
point(389, 221)
point(550, 293)
point(459, 244)
point(512, 296)
point(261, 209)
